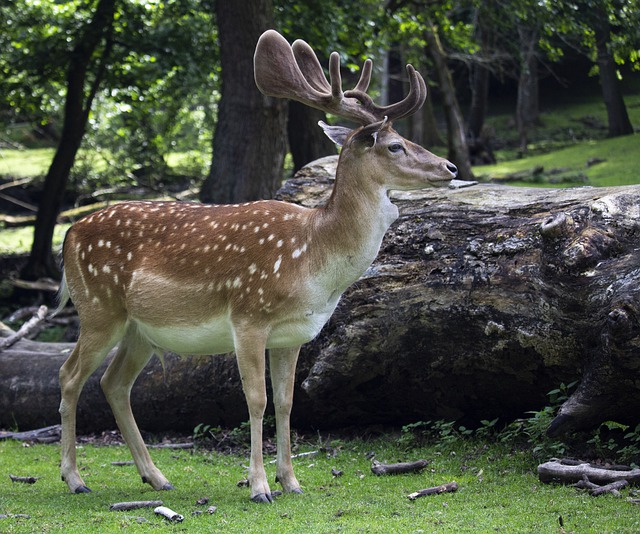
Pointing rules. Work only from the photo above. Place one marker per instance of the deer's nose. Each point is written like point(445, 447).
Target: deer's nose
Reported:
point(452, 169)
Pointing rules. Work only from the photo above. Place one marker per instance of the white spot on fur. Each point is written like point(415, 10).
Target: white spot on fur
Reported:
point(299, 251)
point(276, 265)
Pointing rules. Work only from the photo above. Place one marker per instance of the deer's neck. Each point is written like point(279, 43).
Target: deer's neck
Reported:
point(350, 227)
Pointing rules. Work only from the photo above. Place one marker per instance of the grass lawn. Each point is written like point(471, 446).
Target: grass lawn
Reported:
point(616, 166)
point(498, 492)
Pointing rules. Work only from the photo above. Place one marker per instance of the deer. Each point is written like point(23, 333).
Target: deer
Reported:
point(197, 279)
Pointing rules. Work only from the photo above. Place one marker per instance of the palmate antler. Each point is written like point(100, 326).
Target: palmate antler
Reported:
point(293, 71)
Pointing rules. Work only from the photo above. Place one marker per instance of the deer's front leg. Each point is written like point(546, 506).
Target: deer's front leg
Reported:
point(250, 352)
point(283, 372)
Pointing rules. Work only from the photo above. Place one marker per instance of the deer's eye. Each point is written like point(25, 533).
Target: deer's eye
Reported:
point(394, 148)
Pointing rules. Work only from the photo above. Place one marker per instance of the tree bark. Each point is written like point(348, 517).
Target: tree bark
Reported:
point(481, 301)
point(456, 131)
point(307, 141)
point(249, 143)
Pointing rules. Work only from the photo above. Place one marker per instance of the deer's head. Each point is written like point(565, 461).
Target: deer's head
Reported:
point(293, 71)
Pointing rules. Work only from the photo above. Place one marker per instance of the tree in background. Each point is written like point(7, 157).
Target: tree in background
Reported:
point(423, 23)
point(249, 144)
point(86, 67)
point(608, 33)
point(85, 51)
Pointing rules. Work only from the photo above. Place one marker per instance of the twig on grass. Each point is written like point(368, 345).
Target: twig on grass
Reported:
point(595, 490)
point(23, 480)
point(133, 505)
point(436, 490)
point(169, 514)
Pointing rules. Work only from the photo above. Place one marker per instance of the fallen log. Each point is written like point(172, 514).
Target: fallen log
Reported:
point(481, 301)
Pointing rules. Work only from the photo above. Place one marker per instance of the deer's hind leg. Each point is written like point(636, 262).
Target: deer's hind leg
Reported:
point(90, 351)
point(133, 354)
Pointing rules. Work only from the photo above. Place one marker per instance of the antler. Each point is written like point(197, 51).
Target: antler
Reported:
point(294, 72)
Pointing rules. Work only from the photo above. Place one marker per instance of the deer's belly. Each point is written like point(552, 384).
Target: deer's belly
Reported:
point(212, 337)
point(216, 335)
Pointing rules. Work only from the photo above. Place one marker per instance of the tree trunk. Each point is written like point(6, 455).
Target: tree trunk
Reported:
point(481, 301)
point(527, 105)
point(430, 133)
point(249, 144)
point(76, 112)
point(456, 131)
point(307, 141)
point(619, 123)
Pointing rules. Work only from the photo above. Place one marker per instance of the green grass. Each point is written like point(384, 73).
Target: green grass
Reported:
point(499, 492)
point(619, 168)
point(19, 240)
point(25, 163)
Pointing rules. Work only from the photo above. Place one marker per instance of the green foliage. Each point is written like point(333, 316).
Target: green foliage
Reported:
point(206, 435)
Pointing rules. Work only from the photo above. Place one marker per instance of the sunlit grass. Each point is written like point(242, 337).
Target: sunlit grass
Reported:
point(619, 167)
point(498, 492)
point(25, 163)
point(19, 240)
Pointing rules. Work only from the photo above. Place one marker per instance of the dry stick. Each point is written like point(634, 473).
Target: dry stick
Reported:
point(169, 514)
point(596, 490)
point(24, 480)
point(133, 505)
point(393, 469)
point(444, 488)
point(25, 329)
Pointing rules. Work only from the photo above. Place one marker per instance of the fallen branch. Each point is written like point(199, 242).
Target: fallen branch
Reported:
point(133, 505)
point(169, 514)
point(595, 490)
point(394, 469)
point(48, 434)
point(26, 329)
point(436, 490)
point(567, 473)
point(24, 480)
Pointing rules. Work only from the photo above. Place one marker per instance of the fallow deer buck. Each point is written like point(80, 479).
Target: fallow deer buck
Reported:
point(207, 279)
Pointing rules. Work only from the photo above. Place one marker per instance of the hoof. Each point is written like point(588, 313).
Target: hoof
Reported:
point(297, 491)
point(261, 498)
point(167, 487)
point(82, 489)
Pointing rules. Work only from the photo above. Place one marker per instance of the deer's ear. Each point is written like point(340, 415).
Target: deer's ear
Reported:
point(338, 134)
